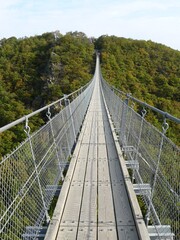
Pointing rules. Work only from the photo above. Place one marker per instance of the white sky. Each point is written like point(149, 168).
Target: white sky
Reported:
point(156, 20)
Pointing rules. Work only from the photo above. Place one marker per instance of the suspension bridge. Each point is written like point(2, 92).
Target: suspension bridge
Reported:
point(114, 160)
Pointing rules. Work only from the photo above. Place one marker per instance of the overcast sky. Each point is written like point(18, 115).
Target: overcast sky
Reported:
point(156, 20)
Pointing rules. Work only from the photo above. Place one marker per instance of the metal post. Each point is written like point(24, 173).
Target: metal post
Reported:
point(129, 127)
point(69, 148)
point(70, 111)
point(48, 114)
point(123, 122)
point(65, 135)
point(143, 112)
point(81, 97)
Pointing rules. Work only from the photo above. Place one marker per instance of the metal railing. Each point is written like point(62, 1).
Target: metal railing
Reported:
point(29, 176)
point(154, 161)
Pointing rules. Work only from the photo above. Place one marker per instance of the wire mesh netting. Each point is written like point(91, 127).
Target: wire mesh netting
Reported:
point(158, 161)
point(29, 176)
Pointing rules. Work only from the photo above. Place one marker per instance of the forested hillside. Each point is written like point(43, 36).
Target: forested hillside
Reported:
point(37, 70)
point(147, 70)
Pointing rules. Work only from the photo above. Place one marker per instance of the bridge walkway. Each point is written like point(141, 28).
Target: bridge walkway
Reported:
point(94, 203)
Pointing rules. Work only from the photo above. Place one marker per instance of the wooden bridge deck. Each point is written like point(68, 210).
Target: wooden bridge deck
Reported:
point(94, 203)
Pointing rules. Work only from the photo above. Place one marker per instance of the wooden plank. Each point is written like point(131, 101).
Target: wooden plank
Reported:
point(101, 139)
point(106, 215)
point(116, 175)
point(87, 233)
point(86, 137)
point(91, 171)
point(93, 139)
point(128, 233)
point(67, 233)
point(88, 216)
point(79, 170)
point(105, 205)
point(122, 207)
point(72, 207)
point(107, 233)
point(103, 171)
point(83, 153)
point(91, 174)
point(102, 151)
